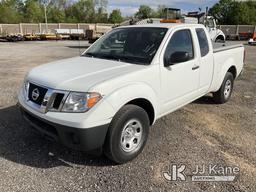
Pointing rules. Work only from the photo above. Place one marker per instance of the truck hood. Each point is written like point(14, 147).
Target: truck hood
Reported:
point(79, 73)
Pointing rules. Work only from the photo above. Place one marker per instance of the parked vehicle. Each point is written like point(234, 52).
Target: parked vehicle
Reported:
point(252, 41)
point(96, 31)
point(175, 16)
point(110, 96)
point(3, 38)
point(73, 34)
point(14, 37)
point(50, 36)
point(31, 37)
point(216, 34)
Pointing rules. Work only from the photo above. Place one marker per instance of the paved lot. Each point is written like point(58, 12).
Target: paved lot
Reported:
point(200, 133)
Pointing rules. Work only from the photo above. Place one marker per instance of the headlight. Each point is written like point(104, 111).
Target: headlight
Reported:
point(80, 102)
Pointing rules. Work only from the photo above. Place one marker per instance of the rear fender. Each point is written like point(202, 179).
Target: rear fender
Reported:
point(222, 73)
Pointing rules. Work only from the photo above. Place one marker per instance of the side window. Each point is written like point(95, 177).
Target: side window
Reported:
point(181, 41)
point(203, 42)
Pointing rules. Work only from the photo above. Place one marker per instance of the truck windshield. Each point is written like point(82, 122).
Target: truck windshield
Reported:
point(209, 23)
point(136, 45)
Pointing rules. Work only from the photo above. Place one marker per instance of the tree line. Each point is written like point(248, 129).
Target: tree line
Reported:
point(235, 12)
point(95, 11)
point(58, 11)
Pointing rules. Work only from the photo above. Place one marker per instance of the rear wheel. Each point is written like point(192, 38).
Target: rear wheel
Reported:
point(127, 134)
point(224, 93)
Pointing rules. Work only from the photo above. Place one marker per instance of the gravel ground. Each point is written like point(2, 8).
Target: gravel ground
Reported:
point(200, 133)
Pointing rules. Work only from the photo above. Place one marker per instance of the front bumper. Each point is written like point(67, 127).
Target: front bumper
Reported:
point(82, 139)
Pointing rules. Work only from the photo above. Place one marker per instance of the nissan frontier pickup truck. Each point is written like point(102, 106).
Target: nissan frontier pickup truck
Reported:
point(107, 99)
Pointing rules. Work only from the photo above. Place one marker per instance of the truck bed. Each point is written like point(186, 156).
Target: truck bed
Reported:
point(218, 47)
point(225, 55)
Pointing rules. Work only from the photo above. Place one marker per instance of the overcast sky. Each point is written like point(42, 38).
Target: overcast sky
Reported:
point(129, 7)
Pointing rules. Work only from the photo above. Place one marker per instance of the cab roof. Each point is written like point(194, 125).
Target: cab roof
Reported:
point(163, 25)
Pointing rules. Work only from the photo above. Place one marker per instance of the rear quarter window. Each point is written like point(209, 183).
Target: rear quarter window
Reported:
point(203, 42)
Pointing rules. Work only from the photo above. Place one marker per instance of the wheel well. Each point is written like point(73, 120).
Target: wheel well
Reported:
point(147, 106)
point(221, 37)
point(233, 71)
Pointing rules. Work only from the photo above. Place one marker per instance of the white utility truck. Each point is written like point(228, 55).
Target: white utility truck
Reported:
point(216, 34)
point(108, 97)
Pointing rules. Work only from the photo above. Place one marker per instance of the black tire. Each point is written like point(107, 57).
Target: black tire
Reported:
point(220, 97)
point(219, 40)
point(113, 147)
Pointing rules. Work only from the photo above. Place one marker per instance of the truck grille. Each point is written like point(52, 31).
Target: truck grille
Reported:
point(36, 93)
point(44, 99)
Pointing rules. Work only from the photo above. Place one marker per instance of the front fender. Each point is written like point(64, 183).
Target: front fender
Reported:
point(121, 96)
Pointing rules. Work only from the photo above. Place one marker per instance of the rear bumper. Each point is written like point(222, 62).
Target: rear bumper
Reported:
point(82, 139)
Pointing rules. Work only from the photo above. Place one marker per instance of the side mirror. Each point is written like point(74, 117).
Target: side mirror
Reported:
point(177, 57)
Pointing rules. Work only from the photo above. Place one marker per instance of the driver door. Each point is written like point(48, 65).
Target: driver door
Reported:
point(180, 81)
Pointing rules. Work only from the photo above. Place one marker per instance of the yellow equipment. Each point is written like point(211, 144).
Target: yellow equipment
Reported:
point(172, 16)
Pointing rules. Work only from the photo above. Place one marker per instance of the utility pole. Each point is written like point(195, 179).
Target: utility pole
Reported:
point(45, 2)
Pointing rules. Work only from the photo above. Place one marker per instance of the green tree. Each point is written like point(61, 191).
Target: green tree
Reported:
point(222, 11)
point(16, 11)
point(81, 11)
point(11, 11)
point(55, 14)
point(234, 12)
point(161, 13)
point(144, 12)
point(59, 4)
point(101, 16)
point(252, 12)
point(237, 17)
point(33, 12)
point(115, 16)
point(56, 11)
point(101, 4)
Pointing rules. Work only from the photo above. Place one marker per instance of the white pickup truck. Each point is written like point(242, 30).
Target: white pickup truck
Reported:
point(108, 97)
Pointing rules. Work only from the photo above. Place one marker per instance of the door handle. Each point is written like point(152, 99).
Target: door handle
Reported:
point(195, 67)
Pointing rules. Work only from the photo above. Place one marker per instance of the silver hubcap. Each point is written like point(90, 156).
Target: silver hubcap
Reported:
point(228, 88)
point(131, 135)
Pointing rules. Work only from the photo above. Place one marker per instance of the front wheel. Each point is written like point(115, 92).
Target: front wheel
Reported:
point(127, 134)
point(224, 93)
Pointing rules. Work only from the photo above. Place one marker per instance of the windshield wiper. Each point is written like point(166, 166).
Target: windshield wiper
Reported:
point(121, 58)
point(89, 55)
point(102, 56)
point(111, 57)
point(134, 60)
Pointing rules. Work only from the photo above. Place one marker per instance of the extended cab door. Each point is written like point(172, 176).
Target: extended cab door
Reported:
point(180, 79)
point(206, 61)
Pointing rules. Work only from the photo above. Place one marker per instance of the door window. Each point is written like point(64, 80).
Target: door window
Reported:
point(181, 41)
